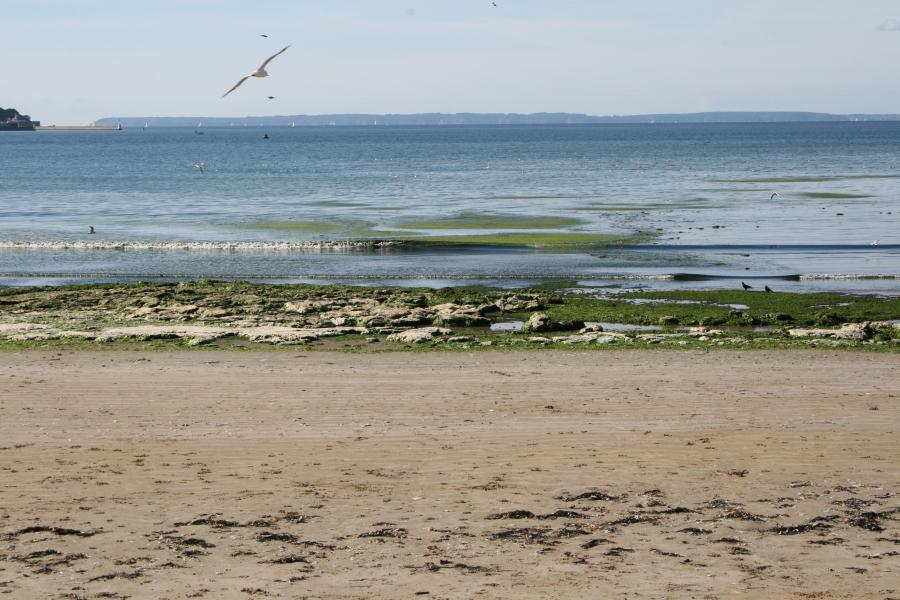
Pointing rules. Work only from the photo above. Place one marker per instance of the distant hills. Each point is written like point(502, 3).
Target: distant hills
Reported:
point(489, 119)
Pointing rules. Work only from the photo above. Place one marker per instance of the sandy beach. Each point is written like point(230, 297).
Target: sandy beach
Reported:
point(449, 475)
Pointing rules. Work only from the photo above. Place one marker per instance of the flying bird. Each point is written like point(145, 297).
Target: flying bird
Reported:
point(271, 97)
point(264, 35)
point(200, 167)
point(774, 195)
point(746, 287)
point(260, 72)
point(91, 228)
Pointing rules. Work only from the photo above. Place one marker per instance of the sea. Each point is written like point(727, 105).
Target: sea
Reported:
point(795, 206)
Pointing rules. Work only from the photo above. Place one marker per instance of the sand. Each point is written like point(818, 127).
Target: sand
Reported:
point(449, 475)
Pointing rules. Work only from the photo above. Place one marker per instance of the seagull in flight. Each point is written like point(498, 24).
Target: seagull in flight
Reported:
point(91, 228)
point(200, 167)
point(774, 195)
point(264, 35)
point(260, 72)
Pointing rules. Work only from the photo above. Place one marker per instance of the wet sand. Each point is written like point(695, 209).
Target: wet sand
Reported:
point(449, 475)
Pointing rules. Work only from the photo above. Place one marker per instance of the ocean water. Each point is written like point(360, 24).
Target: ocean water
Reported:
point(698, 198)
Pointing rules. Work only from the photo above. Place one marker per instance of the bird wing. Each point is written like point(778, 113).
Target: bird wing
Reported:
point(268, 60)
point(237, 85)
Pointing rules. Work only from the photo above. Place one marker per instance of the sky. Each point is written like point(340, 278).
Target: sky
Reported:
point(74, 61)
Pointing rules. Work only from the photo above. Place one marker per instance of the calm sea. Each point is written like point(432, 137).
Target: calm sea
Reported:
point(699, 196)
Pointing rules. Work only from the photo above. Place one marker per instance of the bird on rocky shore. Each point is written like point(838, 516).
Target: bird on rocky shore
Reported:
point(260, 72)
point(746, 287)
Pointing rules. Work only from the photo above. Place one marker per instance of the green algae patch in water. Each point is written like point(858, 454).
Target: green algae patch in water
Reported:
point(471, 221)
point(530, 240)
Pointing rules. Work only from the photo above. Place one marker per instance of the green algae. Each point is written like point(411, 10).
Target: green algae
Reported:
point(473, 221)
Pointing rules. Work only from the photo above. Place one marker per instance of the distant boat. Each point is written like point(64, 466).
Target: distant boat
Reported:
point(200, 124)
point(293, 124)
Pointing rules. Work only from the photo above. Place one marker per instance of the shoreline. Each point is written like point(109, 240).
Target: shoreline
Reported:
point(227, 475)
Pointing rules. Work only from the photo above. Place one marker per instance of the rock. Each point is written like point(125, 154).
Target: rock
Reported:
point(486, 344)
point(697, 331)
point(212, 313)
point(459, 339)
point(811, 332)
point(537, 323)
point(279, 334)
point(455, 314)
point(160, 332)
point(419, 336)
point(299, 307)
point(591, 328)
point(591, 338)
point(854, 331)
point(519, 303)
point(850, 331)
point(540, 340)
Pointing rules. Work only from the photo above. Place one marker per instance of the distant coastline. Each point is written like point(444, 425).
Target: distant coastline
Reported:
point(492, 119)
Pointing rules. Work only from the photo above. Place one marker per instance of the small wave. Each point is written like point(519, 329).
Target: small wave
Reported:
point(198, 246)
point(849, 276)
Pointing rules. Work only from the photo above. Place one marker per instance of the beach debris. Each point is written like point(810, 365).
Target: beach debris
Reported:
point(527, 514)
point(594, 495)
point(798, 529)
point(61, 531)
point(387, 532)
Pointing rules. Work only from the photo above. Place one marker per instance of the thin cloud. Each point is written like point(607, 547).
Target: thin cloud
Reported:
point(890, 25)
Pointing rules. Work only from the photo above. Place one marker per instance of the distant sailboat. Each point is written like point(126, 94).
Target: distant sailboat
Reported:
point(293, 124)
point(200, 124)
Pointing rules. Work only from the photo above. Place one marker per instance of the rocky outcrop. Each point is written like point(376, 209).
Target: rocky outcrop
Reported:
point(419, 336)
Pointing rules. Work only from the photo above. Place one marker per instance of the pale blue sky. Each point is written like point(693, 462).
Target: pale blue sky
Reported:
point(72, 61)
